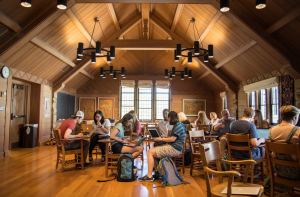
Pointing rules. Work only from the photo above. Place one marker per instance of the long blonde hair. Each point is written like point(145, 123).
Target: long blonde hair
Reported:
point(202, 118)
point(259, 122)
point(133, 126)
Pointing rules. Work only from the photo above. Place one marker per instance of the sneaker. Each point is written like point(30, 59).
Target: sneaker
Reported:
point(90, 157)
point(156, 176)
point(146, 178)
point(86, 166)
point(103, 159)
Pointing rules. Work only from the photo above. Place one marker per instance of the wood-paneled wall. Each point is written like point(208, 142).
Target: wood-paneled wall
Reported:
point(242, 102)
point(3, 137)
point(46, 121)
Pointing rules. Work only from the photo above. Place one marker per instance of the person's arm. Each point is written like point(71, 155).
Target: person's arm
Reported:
point(105, 129)
point(68, 134)
point(255, 142)
point(167, 139)
point(113, 136)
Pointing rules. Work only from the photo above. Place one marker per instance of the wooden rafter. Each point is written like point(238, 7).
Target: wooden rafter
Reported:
point(288, 17)
point(80, 26)
point(113, 15)
point(43, 18)
point(87, 74)
point(151, 7)
point(147, 1)
point(177, 16)
point(145, 20)
point(10, 23)
point(210, 25)
point(203, 75)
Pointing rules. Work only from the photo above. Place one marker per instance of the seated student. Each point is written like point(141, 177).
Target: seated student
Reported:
point(244, 126)
point(202, 119)
point(118, 134)
point(223, 127)
point(183, 119)
point(172, 149)
point(164, 125)
point(66, 129)
point(286, 132)
point(258, 120)
point(101, 128)
point(213, 118)
point(136, 126)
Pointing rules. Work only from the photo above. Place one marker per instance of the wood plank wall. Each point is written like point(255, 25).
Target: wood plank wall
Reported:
point(3, 88)
point(187, 89)
point(242, 102)
point(46, 121)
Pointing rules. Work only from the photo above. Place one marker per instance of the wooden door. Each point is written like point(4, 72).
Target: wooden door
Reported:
point(18, 108)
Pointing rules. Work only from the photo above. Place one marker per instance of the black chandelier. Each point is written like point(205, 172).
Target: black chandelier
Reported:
point(225, 7)
point(207, 53)
point(96, 52)
point(61, 4)
point(113, 72)
point(182, 74)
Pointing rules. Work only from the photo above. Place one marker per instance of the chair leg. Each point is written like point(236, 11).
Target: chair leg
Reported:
point(62, 163)
point(262, 171)
point(57, 159)
point(192, 165)
point(252, 172)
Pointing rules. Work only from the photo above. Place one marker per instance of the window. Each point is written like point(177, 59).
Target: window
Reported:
point(127, 99)
point(145, 104)
point(252, 100)
point(162, 102)
point(262, 103)
point(274, 105)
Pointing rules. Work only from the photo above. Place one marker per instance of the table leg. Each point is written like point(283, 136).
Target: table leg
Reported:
point(82, 162)
point(106, 160)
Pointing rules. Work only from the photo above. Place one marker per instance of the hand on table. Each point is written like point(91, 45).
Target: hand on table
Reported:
point(126, 142)
point(80, 135)
point(135, 141)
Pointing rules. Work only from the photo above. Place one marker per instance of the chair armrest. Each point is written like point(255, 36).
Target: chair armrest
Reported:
point(223, 173)
point(250, 161)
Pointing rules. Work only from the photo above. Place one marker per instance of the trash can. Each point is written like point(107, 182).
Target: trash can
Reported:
point(30, 135)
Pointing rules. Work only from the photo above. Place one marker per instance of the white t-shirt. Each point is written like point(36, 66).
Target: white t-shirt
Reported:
point(99, 130)
point(163, 127)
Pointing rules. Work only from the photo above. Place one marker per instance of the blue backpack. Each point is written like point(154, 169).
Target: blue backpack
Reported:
point(168, 172)
point(125, 171)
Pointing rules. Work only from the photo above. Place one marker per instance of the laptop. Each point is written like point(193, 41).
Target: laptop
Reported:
point(263, 133)
point(153, 133)
point(243, 190)
point(138, 143)
point(86, 128)
point(90, 134)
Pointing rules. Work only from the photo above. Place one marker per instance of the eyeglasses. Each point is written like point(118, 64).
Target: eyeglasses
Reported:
point(225, 114)
point(130, 122)
point(97, 116)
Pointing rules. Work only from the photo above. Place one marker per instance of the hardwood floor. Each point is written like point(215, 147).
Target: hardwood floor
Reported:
point(31, 172)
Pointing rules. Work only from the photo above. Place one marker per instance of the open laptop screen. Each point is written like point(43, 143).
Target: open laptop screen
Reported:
point(263, 133)
point(153, 133)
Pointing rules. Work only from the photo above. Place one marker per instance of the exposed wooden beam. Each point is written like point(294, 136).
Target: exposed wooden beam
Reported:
point(177, 16)
point(113, 15)
point(80, 26)
point(145, 20)
point(138, 7)
point(36, 40)
point(68, 75)
point(148, 1)
point(145, 44)
point(236, 53)
point(87, 74)
point(151, 7)
point(42, 19)
point(210, 25)
point(203, 75)
point(288, 17)
point(10, 23)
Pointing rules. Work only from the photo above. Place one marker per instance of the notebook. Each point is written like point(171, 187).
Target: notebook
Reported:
point(153, 133)
point(243, 190)
point(263, 133)
point(138, 143)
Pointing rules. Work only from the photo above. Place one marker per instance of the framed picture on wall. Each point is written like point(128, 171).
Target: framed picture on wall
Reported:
point(106, 105)
point(191, 107)
point(88, 106)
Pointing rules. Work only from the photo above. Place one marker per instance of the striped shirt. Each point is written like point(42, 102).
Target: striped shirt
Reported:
point(178, 131)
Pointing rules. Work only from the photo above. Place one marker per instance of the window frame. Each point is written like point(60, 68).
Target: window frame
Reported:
point(134, 100)
point(169, 100)
point(138, 105)
point(272, 104)
point(260, 103)
point(251, 100)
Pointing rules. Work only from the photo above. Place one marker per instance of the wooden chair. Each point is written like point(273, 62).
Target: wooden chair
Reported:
point(282, 148)
point(179, 160)
point(129, 134)
point(205, 127)
point(245, 138)
point(211, 152)
point(196, 163)
point(97, 151)
point(188, 128)
point(61, 152)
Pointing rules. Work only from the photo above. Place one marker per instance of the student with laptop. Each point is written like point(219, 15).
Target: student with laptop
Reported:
point(172, 149)
point(164, 125)
point(258, 120)
point(101, 127)
point(118, 133)
point(66, 129)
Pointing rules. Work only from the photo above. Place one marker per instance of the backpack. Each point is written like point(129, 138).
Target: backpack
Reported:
point(187, 156)
point(168, 172)
point(125, 171)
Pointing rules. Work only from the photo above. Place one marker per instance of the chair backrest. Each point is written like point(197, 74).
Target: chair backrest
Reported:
point(205, 127)
point(210, 152)
point(238, 138)
point(128, 134)
point(282, 148)
point(199, 135)
point(188, 127)
point(57, 135)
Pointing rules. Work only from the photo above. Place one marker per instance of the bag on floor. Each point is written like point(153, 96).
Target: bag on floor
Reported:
point(168, 172)
point(125, 171)
point(225, 166)
point(50, 142)
point(187, 156)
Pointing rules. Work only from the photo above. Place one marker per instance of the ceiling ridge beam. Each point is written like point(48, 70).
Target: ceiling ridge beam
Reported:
point(177, 15)
point(42, 20)
point(146, 20)
point(42, 44)
point(288, 17)
point(9, 22)
point(236, 53)
point(113, 15)
point(87, 74)
point(80, 26)
point(142, 44)
point(210, 25)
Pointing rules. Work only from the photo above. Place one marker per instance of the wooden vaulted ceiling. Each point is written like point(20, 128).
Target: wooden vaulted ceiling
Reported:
point(248, 43)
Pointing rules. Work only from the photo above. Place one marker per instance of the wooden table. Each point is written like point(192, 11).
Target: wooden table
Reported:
point(81, 147)
point(107, 141)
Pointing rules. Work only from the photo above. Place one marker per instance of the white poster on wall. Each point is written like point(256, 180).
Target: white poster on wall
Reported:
point(46, 107)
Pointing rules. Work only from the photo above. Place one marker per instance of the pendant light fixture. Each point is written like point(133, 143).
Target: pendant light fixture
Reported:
point(260, 4)
point(224, 5)
point(96, 52)
point(26, 3)
point(182, 74)
point(62, 4)
point(113, 72)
